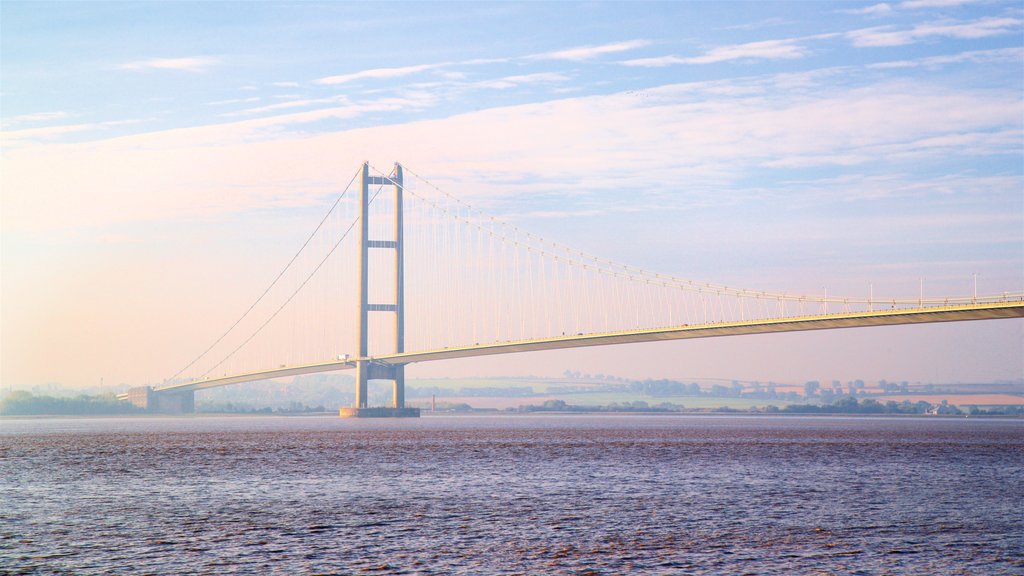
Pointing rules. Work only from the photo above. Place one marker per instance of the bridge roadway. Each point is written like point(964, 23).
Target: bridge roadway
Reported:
point(952, 313)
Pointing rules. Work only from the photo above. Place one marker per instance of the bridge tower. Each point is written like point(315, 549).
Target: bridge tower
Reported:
point(367, 369)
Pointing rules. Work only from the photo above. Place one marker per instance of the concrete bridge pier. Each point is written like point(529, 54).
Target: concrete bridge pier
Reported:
point(367, 370)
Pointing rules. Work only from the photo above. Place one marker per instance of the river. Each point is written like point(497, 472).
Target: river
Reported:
point(516, 494)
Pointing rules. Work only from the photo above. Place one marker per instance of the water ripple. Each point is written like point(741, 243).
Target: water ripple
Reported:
point(533, 495)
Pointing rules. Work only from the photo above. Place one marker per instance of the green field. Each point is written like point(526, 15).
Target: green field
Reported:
point(542, 391)
point(539, 385)
point(606, 398)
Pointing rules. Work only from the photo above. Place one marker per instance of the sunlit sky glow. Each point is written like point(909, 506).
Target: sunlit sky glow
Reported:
point(161, 160)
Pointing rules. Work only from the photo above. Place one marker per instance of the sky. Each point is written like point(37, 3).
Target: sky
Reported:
point(160, 161)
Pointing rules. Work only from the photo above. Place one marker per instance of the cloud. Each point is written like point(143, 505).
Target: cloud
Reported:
point(194, 64)
point(250, 130)
point(229, 133)
point(37, 117)
point(297, 103)
point(656, 61)
point(588, 52)
point(11, 139)
point(787, 49)
point(968, 143)
point(234, 101)
point(873, 10)
point(285, 84)
point(12, 136)
point(766, 50)
point(887, 36)
point(915, 4)
point(974, 57)
point(376, 73)
point(767, 22)
point(513, 81)
point(678, 137)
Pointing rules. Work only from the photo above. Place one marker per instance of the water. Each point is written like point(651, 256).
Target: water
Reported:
point(512, 495)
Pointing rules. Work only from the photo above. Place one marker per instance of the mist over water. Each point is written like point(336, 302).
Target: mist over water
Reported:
point(512, 495)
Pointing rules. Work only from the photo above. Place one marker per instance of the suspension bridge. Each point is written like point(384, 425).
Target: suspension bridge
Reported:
point(481, 286)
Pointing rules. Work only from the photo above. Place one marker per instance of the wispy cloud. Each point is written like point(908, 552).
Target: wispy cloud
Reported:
point(11, 136)
point(655, 61)
point(915, 4)
point(36, 117)
point(17, 138)
point(295, 103)
point(786, 49)
point(256, 129)
point(873, 10)
point(887, 36)
point(234, 101)
point(722, 139)
point(513, 81)
point(193, 64)
point(588, 52)
point(377, 73)
point(767, 22)
point(974, 57)
point(285, 84)
point(766, 50)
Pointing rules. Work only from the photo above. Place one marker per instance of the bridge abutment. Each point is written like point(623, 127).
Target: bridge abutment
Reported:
point(180, 402)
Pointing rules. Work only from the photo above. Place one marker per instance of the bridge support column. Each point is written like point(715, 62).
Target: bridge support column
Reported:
point(362, 380)
point(398, 393)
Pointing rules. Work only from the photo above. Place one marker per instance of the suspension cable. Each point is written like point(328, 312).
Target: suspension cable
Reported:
point(297, 289)
point(277, 278)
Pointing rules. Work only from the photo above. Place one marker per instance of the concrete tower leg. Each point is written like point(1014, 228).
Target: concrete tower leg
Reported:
point(362, 380)
point(398, 396)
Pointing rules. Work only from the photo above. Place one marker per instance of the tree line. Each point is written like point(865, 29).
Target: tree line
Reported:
point(23, 403)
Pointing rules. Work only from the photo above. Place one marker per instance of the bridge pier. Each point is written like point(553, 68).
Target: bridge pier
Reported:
point(367, 370)
point(379, 412)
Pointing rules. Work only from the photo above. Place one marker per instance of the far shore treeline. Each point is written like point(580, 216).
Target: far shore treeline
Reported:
point(846, 405)
point(23, 403)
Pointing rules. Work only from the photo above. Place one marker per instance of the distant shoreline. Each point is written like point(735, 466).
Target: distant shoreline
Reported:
point(489, 413)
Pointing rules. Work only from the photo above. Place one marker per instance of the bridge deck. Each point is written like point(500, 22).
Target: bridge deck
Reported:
point(987, 311)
